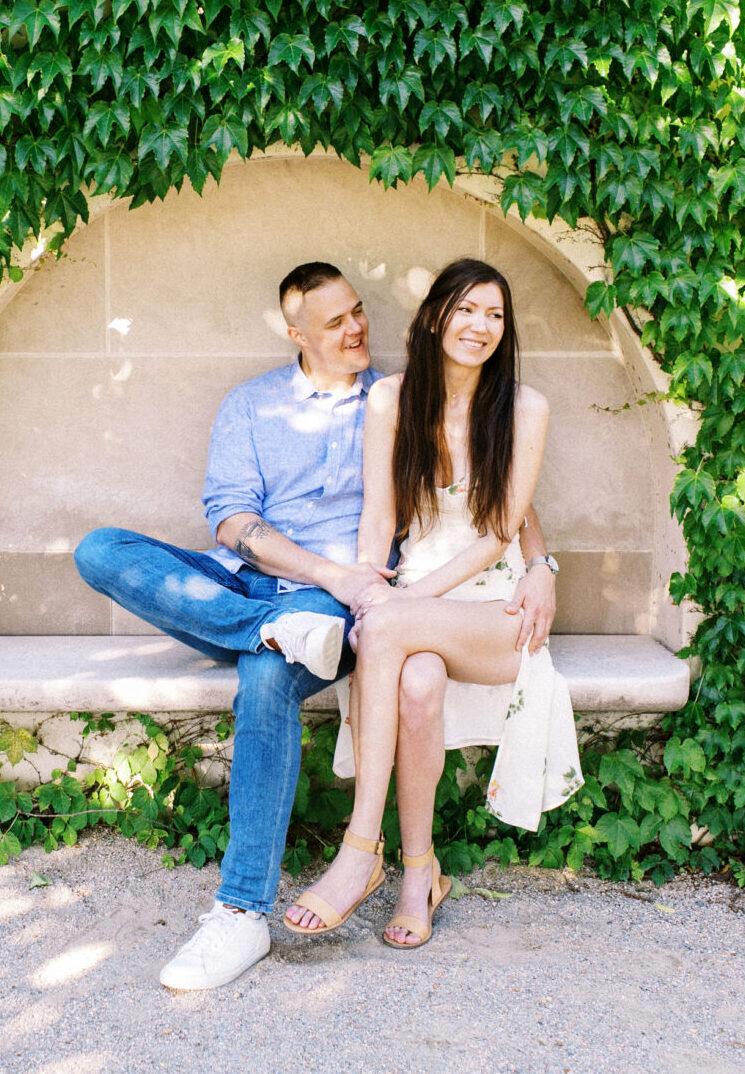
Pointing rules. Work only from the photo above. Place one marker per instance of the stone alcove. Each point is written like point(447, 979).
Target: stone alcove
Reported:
point(114, 359)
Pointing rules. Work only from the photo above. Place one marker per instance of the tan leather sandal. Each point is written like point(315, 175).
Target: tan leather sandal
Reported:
point(438, 892)
point(332, 918)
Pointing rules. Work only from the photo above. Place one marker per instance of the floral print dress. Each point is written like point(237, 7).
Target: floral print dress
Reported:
point(537, 765)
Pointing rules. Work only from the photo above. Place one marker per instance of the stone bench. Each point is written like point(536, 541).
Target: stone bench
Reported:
point(614, 681)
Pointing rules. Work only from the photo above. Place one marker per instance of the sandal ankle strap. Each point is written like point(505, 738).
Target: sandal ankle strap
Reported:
point(416, 860)
point(370, 846)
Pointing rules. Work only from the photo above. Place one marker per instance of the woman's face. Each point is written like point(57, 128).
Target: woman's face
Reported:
point(476, 326)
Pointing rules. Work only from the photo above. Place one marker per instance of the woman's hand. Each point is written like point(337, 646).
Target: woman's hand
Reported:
point(536, 596)
point(375, 593)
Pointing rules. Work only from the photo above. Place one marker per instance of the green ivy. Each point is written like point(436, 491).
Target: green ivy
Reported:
point(630, 820)
point(149, 791)
point(628, 113)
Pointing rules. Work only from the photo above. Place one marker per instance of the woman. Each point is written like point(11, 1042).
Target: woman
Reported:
point(453, 448)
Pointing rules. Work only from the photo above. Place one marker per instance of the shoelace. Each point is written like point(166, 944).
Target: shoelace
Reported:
point(203, 935)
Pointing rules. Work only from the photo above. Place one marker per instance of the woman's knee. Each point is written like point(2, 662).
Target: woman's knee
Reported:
point(421, 691)
point(377, 627)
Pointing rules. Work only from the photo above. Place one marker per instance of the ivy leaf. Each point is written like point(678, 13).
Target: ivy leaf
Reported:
point(291, 122)
point(15, 742)
point(621, 192)
point(67, 205)
point(568, 143)
point(526, 191)
point(483, 39)
point(225, 133)
point(565, 53)
point(35, 19)
point(729, 177)
point(437, 46)
point(291, 50)
point(675, 838)
point(103, 116)
point(527, 140)
point(434, 161)
point(619, 833)
point(38, 880)
point(49, 65)
point(483, 148)
point(222, 53)
point(39, 153)
point(600, 297)
point(634, 251)
point(621, 768)
point(695, 136)
point(349, 33)
point(250, 26)
point(693, 486)
point(484, 96)
point(163, 143)
point(401, 87)
point(324, 92)
point(716, 12)
point(440, 115)
point(102, 67)
point(459, 889)
point(583, 103)
point(609, 156)
point(686, 756)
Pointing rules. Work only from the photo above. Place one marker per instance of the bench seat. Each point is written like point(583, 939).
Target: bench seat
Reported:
point(153, 673)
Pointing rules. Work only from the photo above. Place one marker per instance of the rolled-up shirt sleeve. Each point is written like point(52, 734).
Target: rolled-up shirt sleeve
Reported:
point(233, 482)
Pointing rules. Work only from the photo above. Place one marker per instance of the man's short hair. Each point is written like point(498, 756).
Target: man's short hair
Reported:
point(306, 278)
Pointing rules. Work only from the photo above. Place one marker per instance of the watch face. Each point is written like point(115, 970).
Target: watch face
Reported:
point(553, 565)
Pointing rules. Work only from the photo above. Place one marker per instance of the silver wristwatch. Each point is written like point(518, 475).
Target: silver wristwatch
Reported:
point(549, 561)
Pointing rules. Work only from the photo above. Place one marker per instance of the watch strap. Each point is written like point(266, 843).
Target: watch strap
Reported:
point(548, 561)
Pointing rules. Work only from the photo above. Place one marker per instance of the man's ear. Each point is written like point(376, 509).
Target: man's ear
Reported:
point(296, 336)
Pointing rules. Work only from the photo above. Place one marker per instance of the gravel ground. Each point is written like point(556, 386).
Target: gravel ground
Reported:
point(565, 976)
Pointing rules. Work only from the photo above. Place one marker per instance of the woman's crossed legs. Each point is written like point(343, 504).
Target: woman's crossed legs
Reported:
point(407, 649)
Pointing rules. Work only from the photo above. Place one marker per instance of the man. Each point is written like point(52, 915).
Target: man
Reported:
point(283, 495)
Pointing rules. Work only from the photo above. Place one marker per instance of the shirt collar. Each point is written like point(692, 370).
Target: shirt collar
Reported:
point(303, 388)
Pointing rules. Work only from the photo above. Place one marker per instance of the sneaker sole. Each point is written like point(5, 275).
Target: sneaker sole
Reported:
point(325, 664)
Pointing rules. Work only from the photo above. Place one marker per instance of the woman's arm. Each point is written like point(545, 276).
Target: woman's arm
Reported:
point(531, 426)
point(378, 518)
point(535, 595)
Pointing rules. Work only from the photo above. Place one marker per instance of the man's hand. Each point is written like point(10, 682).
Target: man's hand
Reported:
point(350, 582)
point(536, 595)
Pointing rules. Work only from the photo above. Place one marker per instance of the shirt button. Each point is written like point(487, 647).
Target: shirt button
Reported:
point(334, 444)
point(289, 531)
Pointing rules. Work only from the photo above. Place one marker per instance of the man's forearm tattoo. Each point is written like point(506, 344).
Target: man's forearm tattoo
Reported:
point(251, 532)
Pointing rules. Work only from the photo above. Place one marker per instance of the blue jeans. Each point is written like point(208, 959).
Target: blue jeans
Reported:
point(192, 597)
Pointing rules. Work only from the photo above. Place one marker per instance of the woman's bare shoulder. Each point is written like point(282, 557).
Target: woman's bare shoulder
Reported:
point(531, 403)
point(384, 393)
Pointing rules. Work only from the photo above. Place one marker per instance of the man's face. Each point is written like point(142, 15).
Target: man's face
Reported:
point(329, 325)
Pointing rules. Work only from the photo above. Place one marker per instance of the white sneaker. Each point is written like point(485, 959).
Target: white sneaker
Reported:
point(227, 943)
point(311, 639)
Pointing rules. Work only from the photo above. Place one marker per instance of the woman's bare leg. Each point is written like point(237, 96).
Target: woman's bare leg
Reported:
point(476, 643)
point(420, 756)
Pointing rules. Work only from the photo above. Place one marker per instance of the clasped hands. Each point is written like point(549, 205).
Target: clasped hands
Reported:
point(376, 591)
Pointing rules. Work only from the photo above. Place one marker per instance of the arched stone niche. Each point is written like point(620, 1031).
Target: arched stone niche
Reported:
point(113, 362)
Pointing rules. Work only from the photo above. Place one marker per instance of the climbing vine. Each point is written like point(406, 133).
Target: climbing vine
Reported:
point(628, 113)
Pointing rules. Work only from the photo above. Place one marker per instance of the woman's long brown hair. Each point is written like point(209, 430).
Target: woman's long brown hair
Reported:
point(420, 451)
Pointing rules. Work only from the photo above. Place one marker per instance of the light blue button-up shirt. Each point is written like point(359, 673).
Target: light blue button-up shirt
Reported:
point(292, 454)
